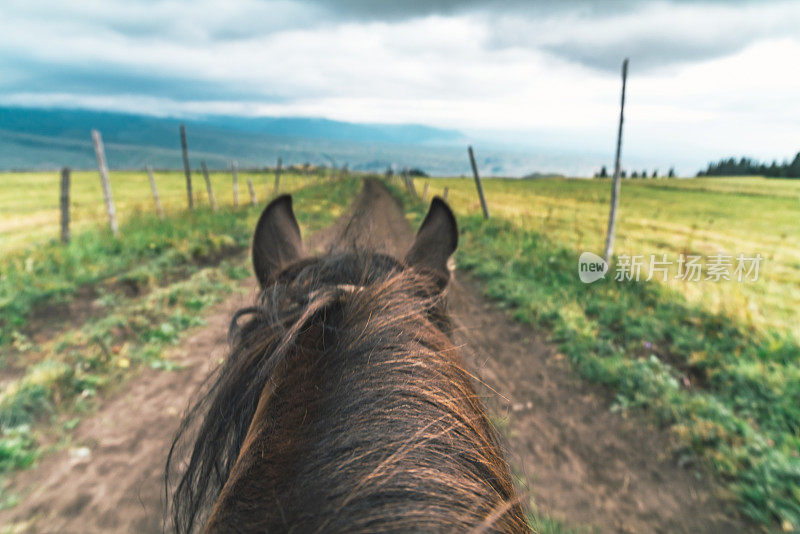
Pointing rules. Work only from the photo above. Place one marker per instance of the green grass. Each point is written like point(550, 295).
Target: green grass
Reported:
point(169, 262)
point(726, 383)
point(699, 216)
point(41, 270)
point(29, 201)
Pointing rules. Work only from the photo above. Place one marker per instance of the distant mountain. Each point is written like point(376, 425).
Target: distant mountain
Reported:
point(33, 138)
point(48, 139)
point(309, 128)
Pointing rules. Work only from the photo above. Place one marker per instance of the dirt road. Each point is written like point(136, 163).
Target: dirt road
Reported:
point(587, 466)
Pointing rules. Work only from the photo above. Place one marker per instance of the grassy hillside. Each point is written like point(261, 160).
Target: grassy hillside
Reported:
point(717, 363)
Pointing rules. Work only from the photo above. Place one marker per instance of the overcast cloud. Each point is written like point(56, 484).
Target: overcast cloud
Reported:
point(707, 79)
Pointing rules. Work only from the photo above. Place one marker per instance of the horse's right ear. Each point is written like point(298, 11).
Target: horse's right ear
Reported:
point(436, 240)
point(276, 242)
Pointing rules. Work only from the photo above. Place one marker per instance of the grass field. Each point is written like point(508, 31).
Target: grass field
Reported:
point(701, 216)
point(717, 362)
point(29, 201)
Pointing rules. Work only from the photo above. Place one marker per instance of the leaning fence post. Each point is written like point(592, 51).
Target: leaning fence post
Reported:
point(235, 169)
point(444, 193)
point(211, 199)
point(156, 198)
point(615, 188)
point(253, 200)
point(478, 184)
point(100, 152)
point(65, 204)
point(278, 177)
point(186, 169)
point(425, 192)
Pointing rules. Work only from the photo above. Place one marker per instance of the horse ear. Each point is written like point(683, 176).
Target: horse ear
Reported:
point(436, 240)
point(276, 242)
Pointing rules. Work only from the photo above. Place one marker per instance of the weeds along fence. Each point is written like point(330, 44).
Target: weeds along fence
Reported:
point(32, 204)
point(37, 206)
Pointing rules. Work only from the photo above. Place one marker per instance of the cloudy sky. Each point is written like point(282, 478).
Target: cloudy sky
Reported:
point(707, 79)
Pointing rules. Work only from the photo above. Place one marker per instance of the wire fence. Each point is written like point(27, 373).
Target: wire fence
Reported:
point(30, 209)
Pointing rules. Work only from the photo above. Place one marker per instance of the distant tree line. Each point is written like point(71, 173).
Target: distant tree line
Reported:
point(603, 173)
point(747, 166)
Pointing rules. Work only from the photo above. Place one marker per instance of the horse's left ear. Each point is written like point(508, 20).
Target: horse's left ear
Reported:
point(436, 240)
point(276, 242)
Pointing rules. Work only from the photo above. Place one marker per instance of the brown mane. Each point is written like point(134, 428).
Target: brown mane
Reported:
point(343, 407)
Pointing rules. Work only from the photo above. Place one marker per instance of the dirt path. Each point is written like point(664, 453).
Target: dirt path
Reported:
point(588, 466)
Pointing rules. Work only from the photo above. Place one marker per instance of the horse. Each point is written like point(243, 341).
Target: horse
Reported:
point(343, 405)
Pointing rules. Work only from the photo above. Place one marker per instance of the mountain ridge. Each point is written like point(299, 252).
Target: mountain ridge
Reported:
point(40, 137)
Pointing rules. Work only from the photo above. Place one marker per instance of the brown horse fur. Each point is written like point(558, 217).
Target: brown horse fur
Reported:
point(343, 405)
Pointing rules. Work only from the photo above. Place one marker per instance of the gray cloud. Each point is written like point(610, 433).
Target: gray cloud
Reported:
point(646, 52)
point(595, 34)
point(111, 80)
point(599, 34)
point(173, 21)
point(392, 10)
point(652, 35)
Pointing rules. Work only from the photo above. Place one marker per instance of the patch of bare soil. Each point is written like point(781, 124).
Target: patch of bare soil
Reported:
point(587, 465)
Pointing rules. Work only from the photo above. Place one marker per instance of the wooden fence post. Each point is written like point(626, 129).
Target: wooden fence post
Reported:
point(410, 183)
point(65, 204)
point(478, 184)
point(186, 169)
point(235, 169)
point(332, 174)
point(444, 193)
point(615, 188)
point(425, 192)
point(253, 199)
point(100, 152)
point(156, 198)
point(211, 199)
point(278, 177)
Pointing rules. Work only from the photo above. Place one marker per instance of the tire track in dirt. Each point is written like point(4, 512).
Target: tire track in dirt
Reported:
point(588, 466)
